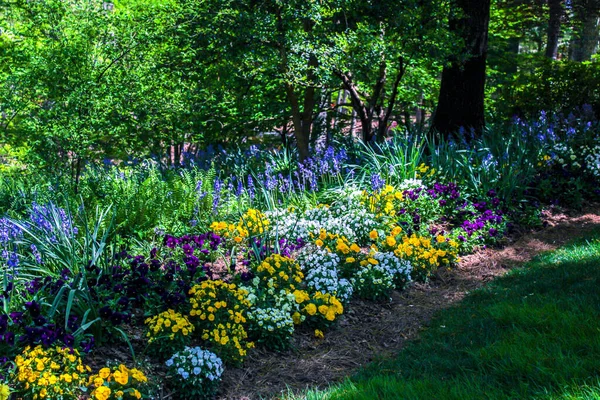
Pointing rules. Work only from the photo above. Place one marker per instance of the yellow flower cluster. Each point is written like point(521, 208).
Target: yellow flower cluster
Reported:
point(426, 255)
point(49, 373)
point(220, 310)
point(119, 383)
point(322, 309)
point(252, 223)
point(4, 391)
point(338, 244)
point(424, 171)
point(169, 324)
point(544, 160)
point(279, 272)
point(383, 203)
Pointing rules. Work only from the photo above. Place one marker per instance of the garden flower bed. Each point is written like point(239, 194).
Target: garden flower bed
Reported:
point(265, 265)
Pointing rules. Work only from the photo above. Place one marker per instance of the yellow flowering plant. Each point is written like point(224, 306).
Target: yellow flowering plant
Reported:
point(322, 309)
point(52, 373)
point(168, 332)
point(219, 311)
point(410, 204)
point(278, 272)
point(425, 253)
point(384, 203)
point(251, 224)
point(350, 254)
point(4, 391)
point(117, 383)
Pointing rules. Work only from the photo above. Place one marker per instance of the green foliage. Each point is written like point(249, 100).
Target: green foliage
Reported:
point(559, 86)
point(145, 197)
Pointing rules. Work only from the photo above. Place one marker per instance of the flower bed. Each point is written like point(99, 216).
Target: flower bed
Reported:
point(202, 296)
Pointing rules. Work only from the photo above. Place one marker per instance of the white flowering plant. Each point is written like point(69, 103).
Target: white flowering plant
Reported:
point(196, 372)
point(380, 274)
point(354, 215)
point(591, 158)
point(321, 269)
point(271, 327)
point(270, 318)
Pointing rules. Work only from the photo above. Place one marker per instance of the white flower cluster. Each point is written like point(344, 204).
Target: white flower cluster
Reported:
point(289, 224)
point(286, 223)
point(356, 217)
point(591, 156)
point(321, 273)
point(322, 218)
point(565, 156)
point(197, 367)
point(272, 320)
point(398, 268)
point(384, 273)
point(409, 184)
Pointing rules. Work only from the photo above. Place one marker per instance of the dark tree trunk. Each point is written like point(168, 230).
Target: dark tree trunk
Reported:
point(462, 90)
point(585, 37)
point(302, 117)
point(556, 13)
point(373, 108)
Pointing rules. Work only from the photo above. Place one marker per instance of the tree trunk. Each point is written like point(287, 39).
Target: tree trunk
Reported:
point(586, 39)
point(556, 12)
point(301, 134)
point(461, 97)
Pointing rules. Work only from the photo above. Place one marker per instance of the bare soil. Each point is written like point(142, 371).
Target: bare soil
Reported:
point(373, 330)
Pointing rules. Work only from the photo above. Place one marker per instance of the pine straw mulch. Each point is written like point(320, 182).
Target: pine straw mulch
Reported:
point(369, 331)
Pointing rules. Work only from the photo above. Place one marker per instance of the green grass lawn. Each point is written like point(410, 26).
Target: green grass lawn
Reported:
point(533, 334)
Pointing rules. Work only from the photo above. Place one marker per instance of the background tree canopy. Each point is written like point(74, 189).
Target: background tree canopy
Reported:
point(85, 80)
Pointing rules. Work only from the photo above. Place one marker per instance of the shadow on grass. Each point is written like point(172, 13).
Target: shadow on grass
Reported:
point(534, 333)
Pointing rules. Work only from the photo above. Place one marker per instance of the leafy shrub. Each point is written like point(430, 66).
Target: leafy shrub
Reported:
point(553, 86)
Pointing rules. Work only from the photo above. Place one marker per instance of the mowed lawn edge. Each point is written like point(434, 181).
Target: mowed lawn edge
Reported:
point(531, 334)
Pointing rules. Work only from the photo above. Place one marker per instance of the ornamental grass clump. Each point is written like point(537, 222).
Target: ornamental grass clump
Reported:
point(118, 383)
point(219, 312)
point(52, 373)
point(196, 373)
point(167, 333)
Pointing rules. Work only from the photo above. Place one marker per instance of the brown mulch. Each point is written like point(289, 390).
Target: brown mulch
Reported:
point(369, 330)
